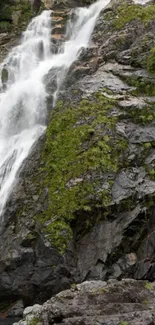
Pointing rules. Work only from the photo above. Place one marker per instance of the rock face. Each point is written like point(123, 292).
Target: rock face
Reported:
point(97, 302)
point(83, 207)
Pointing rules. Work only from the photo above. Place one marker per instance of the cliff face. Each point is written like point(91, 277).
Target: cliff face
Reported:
point(83, 207)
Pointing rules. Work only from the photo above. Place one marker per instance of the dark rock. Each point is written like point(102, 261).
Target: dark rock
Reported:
point(16, 310)
point(4, 77)
point(36, 4)
point(119, 241)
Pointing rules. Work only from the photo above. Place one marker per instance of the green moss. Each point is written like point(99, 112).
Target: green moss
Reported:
point(147, 145)
point(142, 116)
point(124, 323)
point(145, 302)
point(139, 54)
point(73, 286)
point(103, 290)
point(5, 26)
point(31, 236)
point(75, 91)
point(152, 174)
point(26, 14)
point(148, 286)
point(34, 321)
point(75, 160)
point(107, 90)
point(151, 61)
point(129, 12)
point(6, 13)
point(126, 205)
point(143, 86)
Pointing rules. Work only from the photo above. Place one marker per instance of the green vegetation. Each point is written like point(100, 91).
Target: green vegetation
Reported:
point(34, 321)
point(124, 323)
point(73, 286)
point(81, 146)
point(143, 86)
point(148, 286)
point(142, 116)
point(26, 14)
point(151, 61)
point(5, 26)
point(145, 302)
point(6, 12)
point(151, 173)
point(26, 11)
point(147, 145)
point(21, 10)
point(5, 17)
point(127, 12)
point(31, 236)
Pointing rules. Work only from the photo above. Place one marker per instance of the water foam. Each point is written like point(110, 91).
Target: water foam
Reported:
point(23, 101)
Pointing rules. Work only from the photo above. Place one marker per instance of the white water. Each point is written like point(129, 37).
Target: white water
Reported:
point(141, 2)
point(23, 103)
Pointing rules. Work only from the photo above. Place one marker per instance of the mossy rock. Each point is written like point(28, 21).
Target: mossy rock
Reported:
point(81, 147)
point(5, 26)
point(34, 321)
point(151, 60)
point(126, 13)
point(6, 13)
point(142, 85)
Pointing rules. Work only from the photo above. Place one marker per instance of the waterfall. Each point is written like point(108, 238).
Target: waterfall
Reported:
point(23, 92)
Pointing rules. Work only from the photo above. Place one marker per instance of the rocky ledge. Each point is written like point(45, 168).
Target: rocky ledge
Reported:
point(127, 302)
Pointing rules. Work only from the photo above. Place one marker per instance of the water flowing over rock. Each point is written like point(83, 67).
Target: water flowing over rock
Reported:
point(24, 99)
point(22, 105)
point(23, 118)
point(80, 206)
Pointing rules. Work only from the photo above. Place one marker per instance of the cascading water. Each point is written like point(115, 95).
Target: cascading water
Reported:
point(23, 101)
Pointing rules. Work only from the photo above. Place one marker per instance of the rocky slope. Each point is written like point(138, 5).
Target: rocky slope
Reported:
point(128, 302)
point(83, 207)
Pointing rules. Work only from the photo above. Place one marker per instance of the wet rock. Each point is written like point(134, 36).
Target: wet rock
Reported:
point(119, 240)
point(4, 77)
point(102, 79)
point(16, 310)
point(36, 4)
point(28, 262)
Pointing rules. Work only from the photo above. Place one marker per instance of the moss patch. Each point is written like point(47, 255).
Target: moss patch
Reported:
point(142, 116)
point(6, 12)
point(9, 10)
point(34, 321)
point(151, 61)
point(129, 12)
point(5, 26)
point(148, 286)
point(81, 148)
point(143, 86)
